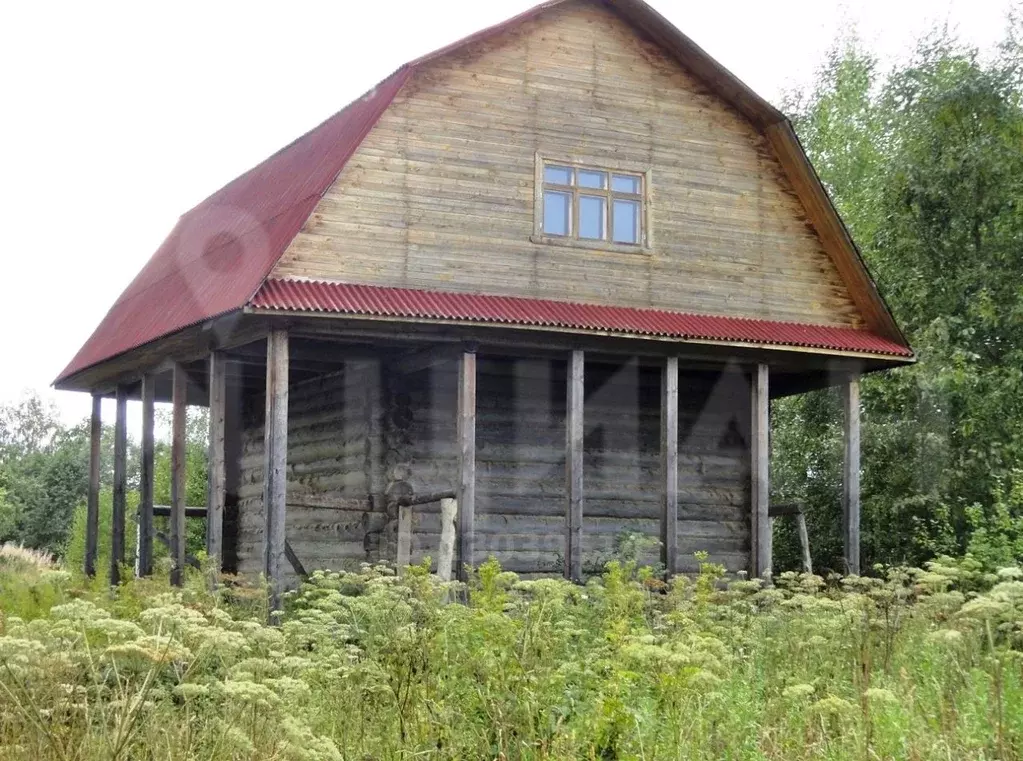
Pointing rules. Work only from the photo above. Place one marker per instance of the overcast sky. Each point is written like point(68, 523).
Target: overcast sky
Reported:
point(118, 117)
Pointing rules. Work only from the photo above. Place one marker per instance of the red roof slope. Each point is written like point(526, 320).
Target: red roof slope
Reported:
point(219, 252)
point(345, 298)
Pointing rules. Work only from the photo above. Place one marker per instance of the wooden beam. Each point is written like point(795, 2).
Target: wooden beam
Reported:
point(851, 476)
point(120, 491)
point(216, 493)
point(760, 483)
point(296, 564)
point(92, 505)
point(574, 467)
point(275, 463)
point(144, 548)
point(179, 394)
point(466, 496)
point(669, 466)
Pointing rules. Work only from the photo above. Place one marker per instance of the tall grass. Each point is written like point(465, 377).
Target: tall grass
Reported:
point(920, 664)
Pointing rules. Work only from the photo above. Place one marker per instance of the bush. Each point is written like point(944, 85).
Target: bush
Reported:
point(918, 664)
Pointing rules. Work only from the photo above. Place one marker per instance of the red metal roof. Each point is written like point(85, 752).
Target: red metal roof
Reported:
point(345, 298)
point(219, 252)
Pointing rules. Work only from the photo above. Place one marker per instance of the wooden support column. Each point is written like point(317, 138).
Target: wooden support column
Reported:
point(144, 548)
point(275, 463)
point(669, 466)
point(466, 495)
point(179, 393)
point(851, 476)
point(574, 467)
point(216, 494)
point(120, 485)
point(92, 505)
point(760, 482)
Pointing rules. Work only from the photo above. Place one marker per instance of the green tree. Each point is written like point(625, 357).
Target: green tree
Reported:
point(925, 166)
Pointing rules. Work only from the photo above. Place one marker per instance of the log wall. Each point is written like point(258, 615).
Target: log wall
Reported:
point(334, 466)
point(375, 431)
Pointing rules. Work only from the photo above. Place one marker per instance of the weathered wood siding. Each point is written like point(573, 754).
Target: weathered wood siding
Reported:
point(520, 490)
point(441, 193)
point(373, 430)
point(334, 465)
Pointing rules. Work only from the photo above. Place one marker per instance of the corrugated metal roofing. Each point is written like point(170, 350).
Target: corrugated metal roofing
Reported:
point(219, 252)
point(345, 298)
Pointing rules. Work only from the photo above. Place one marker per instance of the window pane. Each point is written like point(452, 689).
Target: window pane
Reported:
point(626, 221)
point(591, 217)
point(589, 179)
point(625, 183)
point(555, 212)
point(558, 175)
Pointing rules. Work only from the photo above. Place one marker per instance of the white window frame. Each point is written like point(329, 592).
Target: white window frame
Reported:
point(585, 163)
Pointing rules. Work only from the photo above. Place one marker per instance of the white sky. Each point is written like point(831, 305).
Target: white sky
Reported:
point(117, 117)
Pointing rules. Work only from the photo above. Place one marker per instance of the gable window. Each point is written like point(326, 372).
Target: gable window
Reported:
point(592, 204)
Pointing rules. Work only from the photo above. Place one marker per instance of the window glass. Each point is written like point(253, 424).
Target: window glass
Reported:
point(625, 183)
point(556, 212)
point(589, 179)
point(591, 217)
point(557, 175)
point(626, 221)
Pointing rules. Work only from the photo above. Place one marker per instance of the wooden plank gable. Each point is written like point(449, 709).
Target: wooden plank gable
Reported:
point(441, 193)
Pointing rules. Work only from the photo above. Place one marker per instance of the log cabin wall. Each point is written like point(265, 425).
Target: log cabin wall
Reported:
point(373, 430)
point(441, 193)
point(335, 464)
point(520, 435)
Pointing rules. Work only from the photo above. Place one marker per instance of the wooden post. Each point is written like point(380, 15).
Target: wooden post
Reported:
point(216, 494)
point(144, 548)
point(179, 394)
point(92, 506)
point(446, 550)
point(669, 466)
point(404, 553)
point(466, 494)
point(574, 467)
point(275, 462)
point(760, 484)
point(804, 542)
point(120, 485)
point(851, 476)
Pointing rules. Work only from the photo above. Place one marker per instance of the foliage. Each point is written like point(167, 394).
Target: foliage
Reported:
point(914, 664)
point(44, 478)
point(924, 163)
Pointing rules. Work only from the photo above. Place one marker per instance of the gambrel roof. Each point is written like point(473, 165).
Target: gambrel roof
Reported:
point(219, 256)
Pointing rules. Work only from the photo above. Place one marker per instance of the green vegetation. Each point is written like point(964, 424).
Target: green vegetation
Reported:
point(924, 163)
point(913, 664)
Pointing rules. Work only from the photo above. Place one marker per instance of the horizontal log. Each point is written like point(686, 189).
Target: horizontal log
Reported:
point(164, 511)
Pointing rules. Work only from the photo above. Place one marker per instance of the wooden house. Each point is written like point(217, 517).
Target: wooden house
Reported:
point(555, 271)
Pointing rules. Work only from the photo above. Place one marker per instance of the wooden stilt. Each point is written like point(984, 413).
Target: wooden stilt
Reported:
point(669, 466)
point(120, 485)
point(446, 550)
point(466, 494)
point(144, 548)
point(217, 489)
point(179, 391)
point(574, 467)
point(851, 476)
point(92, 505)
point(275, 450)
point(760, 488)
